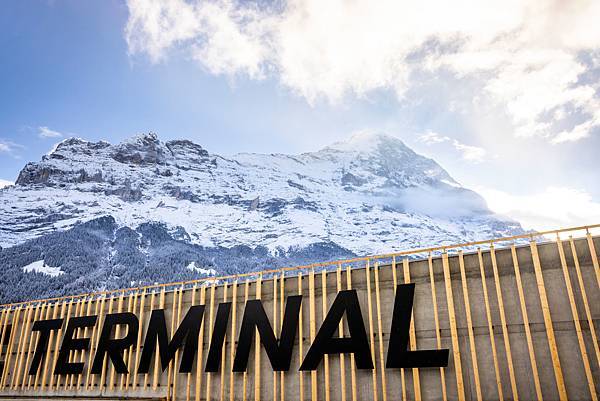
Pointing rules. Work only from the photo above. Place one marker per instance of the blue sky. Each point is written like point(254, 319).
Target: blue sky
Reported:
point(516, 119)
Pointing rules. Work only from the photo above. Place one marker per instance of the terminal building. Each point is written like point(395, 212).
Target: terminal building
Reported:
point(506, 319)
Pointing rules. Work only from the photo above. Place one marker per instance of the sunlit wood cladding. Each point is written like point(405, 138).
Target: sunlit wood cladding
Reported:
point(508, 340)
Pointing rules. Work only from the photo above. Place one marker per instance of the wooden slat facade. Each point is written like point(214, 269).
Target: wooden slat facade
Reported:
point(520, 317)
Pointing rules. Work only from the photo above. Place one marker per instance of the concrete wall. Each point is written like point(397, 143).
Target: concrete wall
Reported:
point(397, 382)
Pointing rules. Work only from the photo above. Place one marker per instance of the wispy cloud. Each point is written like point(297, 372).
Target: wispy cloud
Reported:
point(553, 207)
point(10, 148)
point(469, 153)
point(524, 57)
point(431, 138)
point(45, 132)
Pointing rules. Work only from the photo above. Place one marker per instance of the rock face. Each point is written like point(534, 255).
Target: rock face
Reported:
point(141, 150)
point(368, 194)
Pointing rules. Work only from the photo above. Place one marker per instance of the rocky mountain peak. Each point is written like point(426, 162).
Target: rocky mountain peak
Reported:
point(143, 209)
point(141, 149)
point(371, 178)
point(387, 157)
point(367, 142)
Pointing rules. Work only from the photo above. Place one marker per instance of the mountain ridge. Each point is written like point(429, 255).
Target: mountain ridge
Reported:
point(369, 194)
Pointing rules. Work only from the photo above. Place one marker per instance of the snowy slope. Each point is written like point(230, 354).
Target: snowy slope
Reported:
point(40, 266)
point(368, 194)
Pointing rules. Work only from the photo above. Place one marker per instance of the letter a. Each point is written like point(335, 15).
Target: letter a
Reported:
point(346, 302)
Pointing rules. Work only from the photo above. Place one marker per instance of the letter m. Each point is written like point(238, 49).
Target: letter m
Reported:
point(186, 336)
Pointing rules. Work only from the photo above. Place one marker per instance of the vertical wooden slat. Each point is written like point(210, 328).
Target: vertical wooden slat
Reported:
point(17, 343)
point(188, 387)
point(104, 371)
point(85, 335)
point(580, 340)
point(94, 342)
point(37, 374)
point(594, 256)
point(257, 348)
point(300, 342)
point(174, 297)
point(584, 296)
point(73, 354)
point(132, 363)
point(152, 297)
point(324, 310)
point(539, 277)
point(352, 362)
point(55, 308)
point(371, 335)
point(3, 320)
point(199, 362)
point(463, 279)
point(312, 328)
point(380, 333)
point(341, 334)
point(65, 309)
point(8, 357)
point(22, 346)
point(488, 315)
point(33, 380)
point(232, 340)
point(10, 330)
point(175, 365)
point(402, 374)
point(511, 369)
point(32, 338)
point(210, 330)
point(32, 343)
point(223, 351)
point(534, 368)
point(5, 332)
point(281, 312)
point(460, 388)
point(275, 312)
point(157, 362)
point(173, 362)
point(131, 304)
point(412, 335)
point(245, 374)
point(71, 313)
point(111, 382)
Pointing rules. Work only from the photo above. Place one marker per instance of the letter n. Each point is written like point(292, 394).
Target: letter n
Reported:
point(255, 318)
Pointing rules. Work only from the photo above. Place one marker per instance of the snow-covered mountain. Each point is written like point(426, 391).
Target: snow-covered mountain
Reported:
point(369, 194)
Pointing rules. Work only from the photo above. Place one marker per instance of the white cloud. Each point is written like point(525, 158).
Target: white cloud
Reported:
point(45, 132)
point(9, 147)
point(578, 132)
point(552, 208)
point(431, 138)
point(224, 37)
point(5, 183)
point(523, 56)
point(468, 153)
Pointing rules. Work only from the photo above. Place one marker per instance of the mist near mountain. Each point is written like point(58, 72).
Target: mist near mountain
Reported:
point(103, 216)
